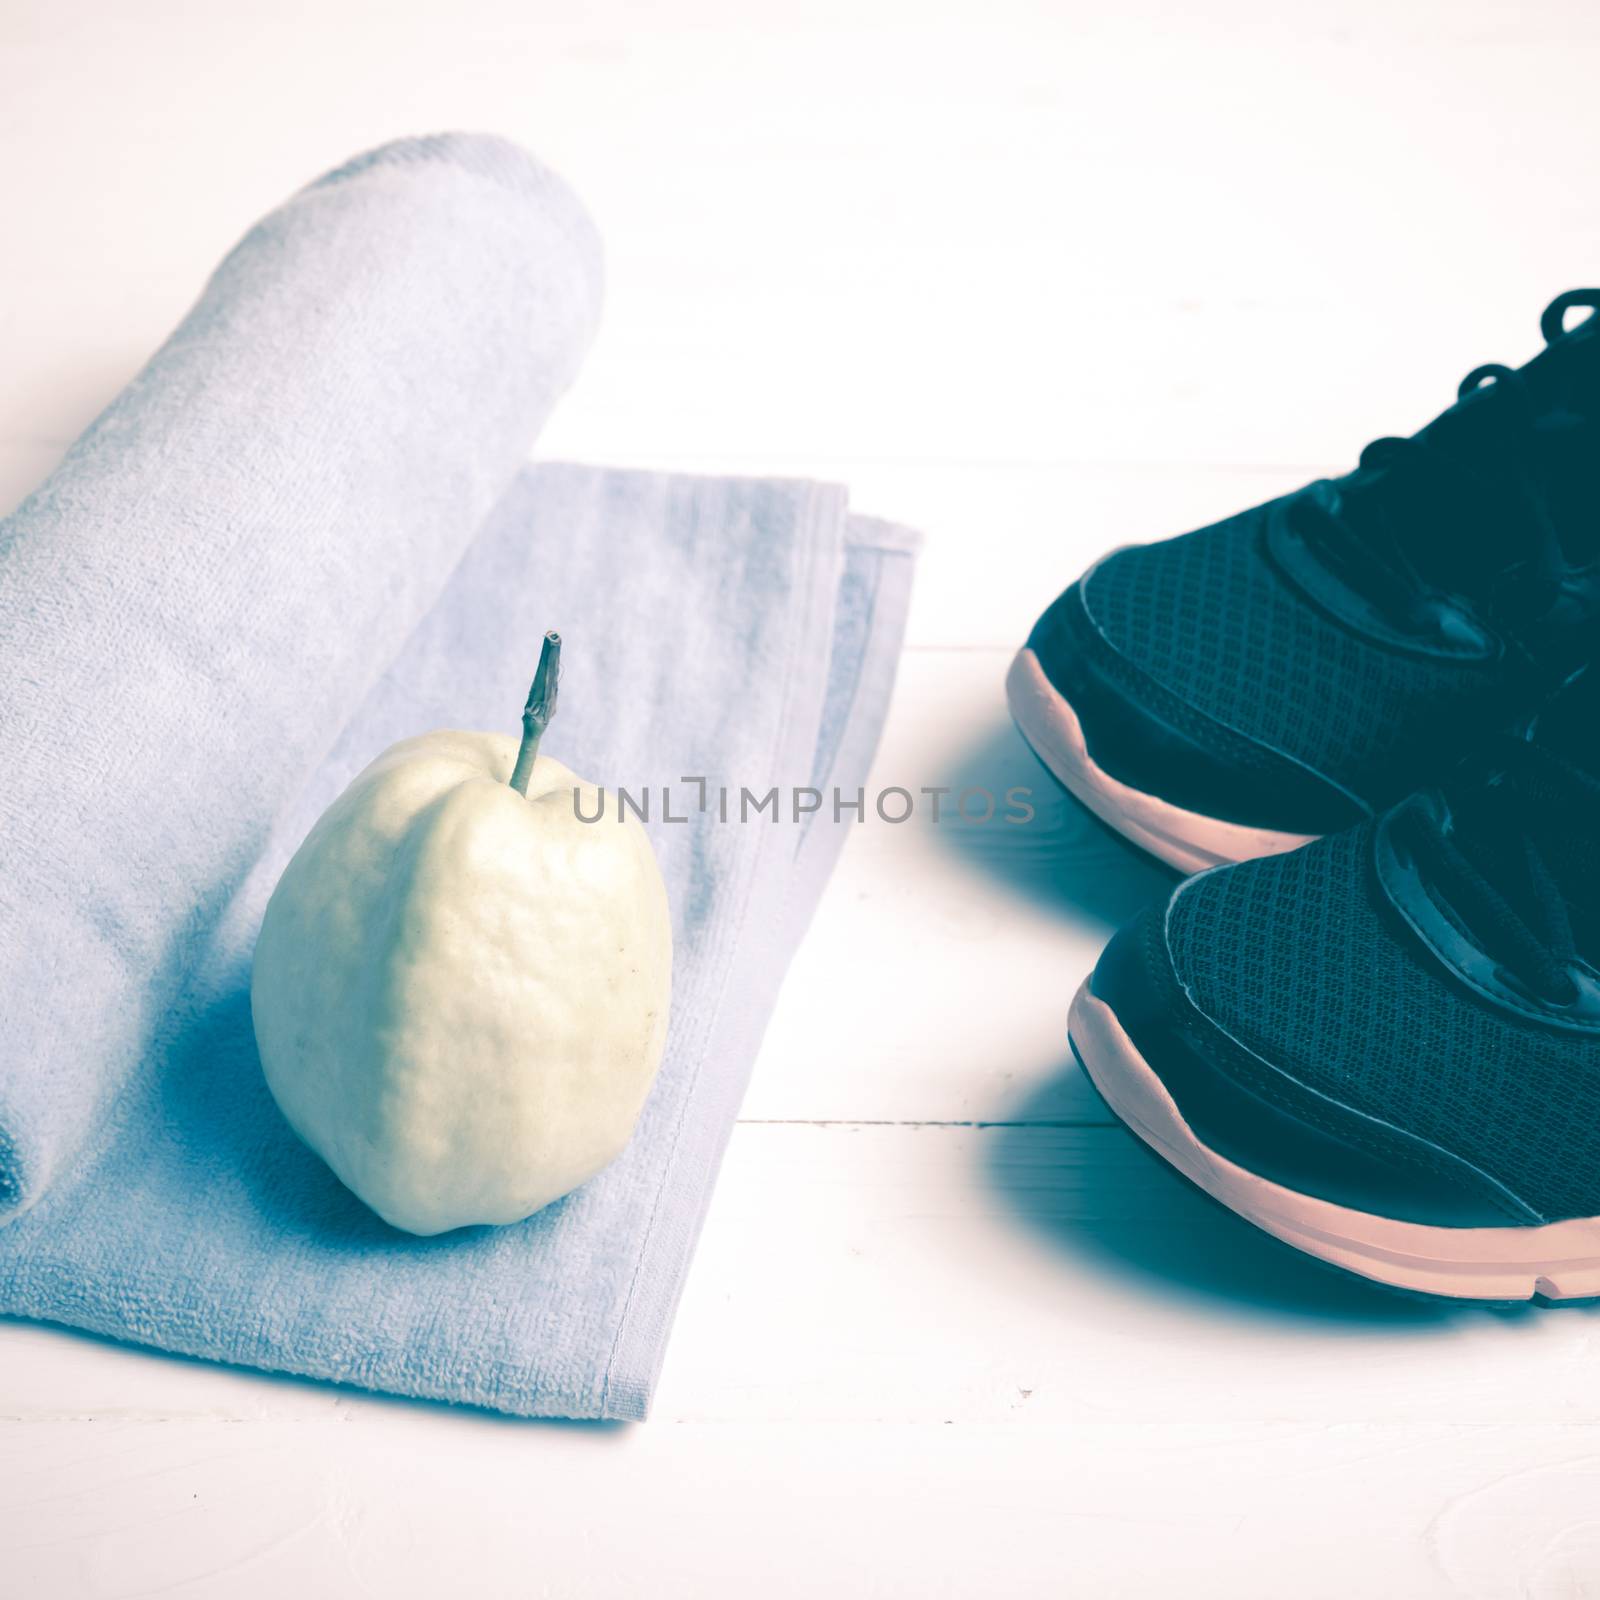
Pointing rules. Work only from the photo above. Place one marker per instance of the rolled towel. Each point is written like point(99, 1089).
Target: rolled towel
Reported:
point(196, 603)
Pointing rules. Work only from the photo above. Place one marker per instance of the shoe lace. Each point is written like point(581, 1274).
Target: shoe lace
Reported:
point(1503, 856)
point(1421, 523)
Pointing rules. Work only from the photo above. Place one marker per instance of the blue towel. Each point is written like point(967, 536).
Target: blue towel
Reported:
point(303, 532)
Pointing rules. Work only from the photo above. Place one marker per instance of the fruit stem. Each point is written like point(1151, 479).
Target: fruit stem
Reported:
point(540, 708)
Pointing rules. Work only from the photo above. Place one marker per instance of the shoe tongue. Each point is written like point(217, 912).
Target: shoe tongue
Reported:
point(1546, 798)
point(1557, 449)
point(1558, 806)
point(1460, 529)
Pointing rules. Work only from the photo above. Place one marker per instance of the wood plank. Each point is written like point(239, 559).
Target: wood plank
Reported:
point(459, 1505)
point(1064, 1275)
point(1031, 1276)
point(453, 1504)
point(1039, 235)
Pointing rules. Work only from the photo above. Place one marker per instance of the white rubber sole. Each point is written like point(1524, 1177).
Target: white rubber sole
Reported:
point(1556, 1260)
point(1187, 840)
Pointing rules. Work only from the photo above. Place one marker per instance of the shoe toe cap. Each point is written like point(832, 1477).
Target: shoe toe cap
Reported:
point(1152, 739)
point(1259, 1115)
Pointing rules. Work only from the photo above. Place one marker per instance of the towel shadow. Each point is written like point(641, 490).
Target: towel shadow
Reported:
point(1094, 1191)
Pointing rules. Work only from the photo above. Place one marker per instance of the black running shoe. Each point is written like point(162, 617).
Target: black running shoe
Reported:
point(1285, 673)
point(1384, 1048)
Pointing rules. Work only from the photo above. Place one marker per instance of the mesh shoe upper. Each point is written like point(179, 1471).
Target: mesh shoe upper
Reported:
point(1299, 960)
point(1208, 617)
point(1370, 629)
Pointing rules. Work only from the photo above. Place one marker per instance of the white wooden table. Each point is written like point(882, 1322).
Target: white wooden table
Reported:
point(1038, 278)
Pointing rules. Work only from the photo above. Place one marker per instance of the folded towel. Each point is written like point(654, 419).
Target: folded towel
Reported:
point(301, 534)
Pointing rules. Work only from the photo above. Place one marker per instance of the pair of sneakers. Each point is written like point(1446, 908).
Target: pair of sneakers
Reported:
point(1363, 715)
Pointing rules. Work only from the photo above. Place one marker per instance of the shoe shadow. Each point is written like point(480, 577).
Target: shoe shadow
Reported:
point(1083, 1182)
point(1097, 1194)
point(1063, 859)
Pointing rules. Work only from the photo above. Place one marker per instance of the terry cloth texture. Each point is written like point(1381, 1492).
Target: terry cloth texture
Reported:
point(303, 532)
